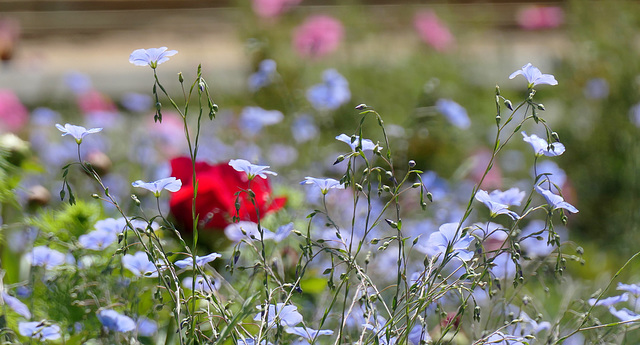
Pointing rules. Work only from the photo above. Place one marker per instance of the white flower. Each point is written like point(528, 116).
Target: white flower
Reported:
point(170, 183)
point(534, 76)
point(151, 57)
point(251, 170)
point(542, 147)
point(367, 145)
point(78, 132)
point(323, 183)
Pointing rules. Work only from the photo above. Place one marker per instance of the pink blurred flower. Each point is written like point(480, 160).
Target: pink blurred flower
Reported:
point(433, 31)
point(13, 114)
point(318, 36)
point(93, 101)
point(540, 17)
point(272, 8)
point(493, 180)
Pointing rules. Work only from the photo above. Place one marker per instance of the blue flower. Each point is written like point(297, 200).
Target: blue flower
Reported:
point(633, 288)
point(46, 257)
point(16, 305)
point(78, 132)
point(419, 335)
point(283, 232)
point(535, 246)
point(236, 232)
point(200, 261)
point(556, 201)
point(204, 285)
point(170, 183)
point(308, 333)
point(542, 147)
point(139, 265)
point(609, 301)
point(332, 93)
point(634, 115)
point(254, 118)
point(39, 330)
point(624, 314)
point(510, 197)
point(367, 145)
point(553, 173)
point(136, 102)
point(304, 129)
point(495, 203)
point(503, 266)
point(281, 314)
point(251, 170)
point(264, 75)
point(454, 112)
point(534, 76)
point(151, 57)
point(596, 88)
point(113, 225)
point(97, 240)
point(146, 327)
point(323, 183)
point(499, 338)
point(446, 236)
point(115, 321)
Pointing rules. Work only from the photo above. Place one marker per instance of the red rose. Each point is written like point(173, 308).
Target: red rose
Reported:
point(216, 200)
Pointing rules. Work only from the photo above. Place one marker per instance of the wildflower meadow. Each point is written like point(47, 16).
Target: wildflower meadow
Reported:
point(372, 181)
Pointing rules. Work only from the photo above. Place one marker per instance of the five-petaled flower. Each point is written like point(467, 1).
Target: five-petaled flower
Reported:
point(200, 261)
point(284, 315)
point(78, 132)
point(367, 145)
point(170, 183)
point(323, 183)
point(140, 265)
point(449, 236)
point(534, 76)
point(498, 201)
point(542, 147)
point(152, 56)
point(40, 330)
point(252, 170)
point(115, 321)
point(556, 201)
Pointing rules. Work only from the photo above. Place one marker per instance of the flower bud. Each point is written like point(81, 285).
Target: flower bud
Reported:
point(497, 90)
point(508, 104)
point(412, 163)
point(540, 106)
point(180, 77)
point(361, 106)
point(555, 136)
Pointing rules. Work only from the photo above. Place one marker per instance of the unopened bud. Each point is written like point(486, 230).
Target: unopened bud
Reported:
point(412, 163)
point(508, 104)
point(555, 136)
point(540, 106)
point(361, 106)
point(497, 90)
point(180, 77)
point(339, 159)
point(416, 185)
